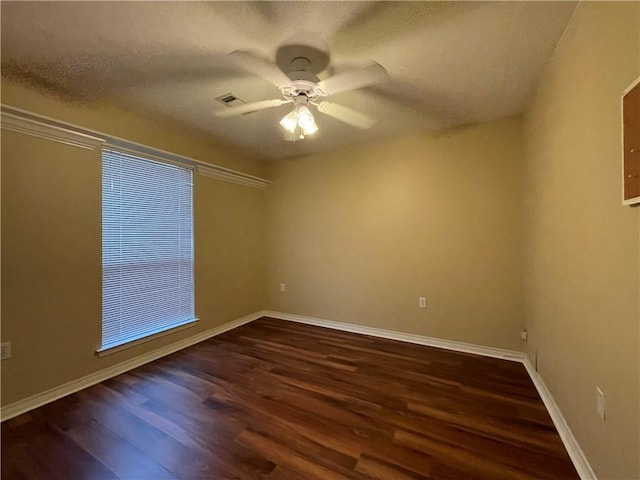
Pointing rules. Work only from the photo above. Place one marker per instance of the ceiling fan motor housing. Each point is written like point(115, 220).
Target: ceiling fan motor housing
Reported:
point(301, 57)
point(302, 63)
point(303, 84)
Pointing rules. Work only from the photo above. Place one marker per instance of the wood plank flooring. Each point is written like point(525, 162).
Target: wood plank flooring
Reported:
point(280, 400)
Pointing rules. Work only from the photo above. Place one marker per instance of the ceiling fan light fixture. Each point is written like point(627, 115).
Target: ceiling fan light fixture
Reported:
point(299, 117)
point(306, 122)
point(290, 121)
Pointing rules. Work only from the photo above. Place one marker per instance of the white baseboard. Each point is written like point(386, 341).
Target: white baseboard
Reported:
point(575, 452)
point(39, 399)
point(403, 337)
point(570, 443)
point(573, 449)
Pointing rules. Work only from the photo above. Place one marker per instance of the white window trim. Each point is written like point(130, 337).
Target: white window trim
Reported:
point(103, 352)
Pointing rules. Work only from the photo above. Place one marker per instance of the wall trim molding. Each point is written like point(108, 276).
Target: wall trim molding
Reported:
point(503, 354)
point(233, 177)
point(39, 399)
point(576, 454)
point(29, 123)
point(17, 122)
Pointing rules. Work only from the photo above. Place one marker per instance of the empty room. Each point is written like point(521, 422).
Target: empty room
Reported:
point(320, 240)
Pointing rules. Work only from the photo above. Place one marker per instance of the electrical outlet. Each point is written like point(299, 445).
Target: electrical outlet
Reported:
point(283, 287)
point(600, 403)
point(524, 335)
point(5, 350)
point(422, 302)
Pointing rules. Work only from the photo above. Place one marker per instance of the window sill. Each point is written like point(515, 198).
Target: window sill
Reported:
point(103, 352)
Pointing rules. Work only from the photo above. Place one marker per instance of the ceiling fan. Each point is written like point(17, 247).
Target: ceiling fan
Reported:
point(295, 75)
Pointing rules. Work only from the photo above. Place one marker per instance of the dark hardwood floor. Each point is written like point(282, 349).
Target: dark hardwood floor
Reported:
point(280, 400)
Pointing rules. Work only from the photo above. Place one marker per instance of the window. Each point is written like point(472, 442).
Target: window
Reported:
point(147, 247)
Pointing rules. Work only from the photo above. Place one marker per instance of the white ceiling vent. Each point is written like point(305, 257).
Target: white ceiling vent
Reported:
point(230, 100)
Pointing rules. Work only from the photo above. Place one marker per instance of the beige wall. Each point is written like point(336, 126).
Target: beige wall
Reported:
point(359, 234)
point(582, 277)
point(51, 245)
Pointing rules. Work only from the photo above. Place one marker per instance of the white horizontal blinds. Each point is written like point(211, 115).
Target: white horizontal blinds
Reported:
point(147, 247)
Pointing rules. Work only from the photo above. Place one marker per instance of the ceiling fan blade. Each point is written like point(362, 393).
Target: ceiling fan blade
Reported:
point(352, 79)
point(346, 115)
point(379, 25)
point(260, 67)
point(440, 109)
point(249, 107)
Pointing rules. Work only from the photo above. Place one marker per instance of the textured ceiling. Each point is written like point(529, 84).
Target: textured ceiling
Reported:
point(449, 63)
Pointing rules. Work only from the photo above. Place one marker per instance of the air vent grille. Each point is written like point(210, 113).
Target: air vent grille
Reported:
point(229, 99)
